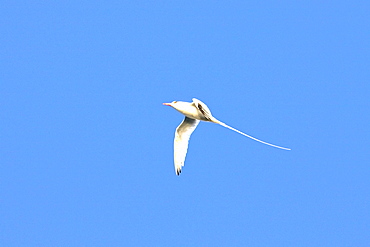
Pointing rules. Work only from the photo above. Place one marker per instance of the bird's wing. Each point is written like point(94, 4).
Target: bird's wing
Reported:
point(206, 112)
point(182, 135)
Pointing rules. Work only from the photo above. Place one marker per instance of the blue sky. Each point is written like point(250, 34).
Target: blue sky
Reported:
point(86, 150)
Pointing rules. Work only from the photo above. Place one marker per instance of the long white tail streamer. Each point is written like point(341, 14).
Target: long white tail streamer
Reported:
point(229, 127)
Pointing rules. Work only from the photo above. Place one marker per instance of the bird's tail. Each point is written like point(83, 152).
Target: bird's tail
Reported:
point(229, 127)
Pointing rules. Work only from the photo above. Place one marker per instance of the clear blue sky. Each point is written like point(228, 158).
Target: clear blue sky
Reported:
point(86, 146)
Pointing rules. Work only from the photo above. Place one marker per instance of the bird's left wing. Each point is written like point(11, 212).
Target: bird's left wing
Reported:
point(205, 111)
point(182, 136)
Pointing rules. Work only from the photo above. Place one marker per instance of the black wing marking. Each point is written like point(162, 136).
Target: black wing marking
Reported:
point(204, 111)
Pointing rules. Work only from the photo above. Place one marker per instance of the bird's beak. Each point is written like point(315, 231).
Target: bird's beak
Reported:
point(169, 104)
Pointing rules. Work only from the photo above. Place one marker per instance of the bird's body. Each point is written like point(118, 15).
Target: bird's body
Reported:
point(195, 112)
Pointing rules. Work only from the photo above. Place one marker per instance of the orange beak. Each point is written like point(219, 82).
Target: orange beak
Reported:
point(169, 104)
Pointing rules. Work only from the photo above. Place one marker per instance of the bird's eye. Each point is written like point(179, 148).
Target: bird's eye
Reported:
point(174, 102)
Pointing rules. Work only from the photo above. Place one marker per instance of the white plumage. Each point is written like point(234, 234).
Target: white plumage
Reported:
point(194, 112)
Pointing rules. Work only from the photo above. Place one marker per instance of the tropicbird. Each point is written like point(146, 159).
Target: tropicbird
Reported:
point(195, 112)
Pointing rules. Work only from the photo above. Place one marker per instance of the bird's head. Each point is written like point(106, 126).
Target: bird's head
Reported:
point(189, 109)
point(170, 104)
point(181, 106)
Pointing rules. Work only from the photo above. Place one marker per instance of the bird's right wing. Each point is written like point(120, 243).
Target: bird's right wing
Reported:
point(182, 136)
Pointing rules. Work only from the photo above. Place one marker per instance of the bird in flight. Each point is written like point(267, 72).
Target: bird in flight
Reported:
point(195, 112)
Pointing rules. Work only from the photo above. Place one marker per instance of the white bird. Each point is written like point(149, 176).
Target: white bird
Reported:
point(194, 112)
